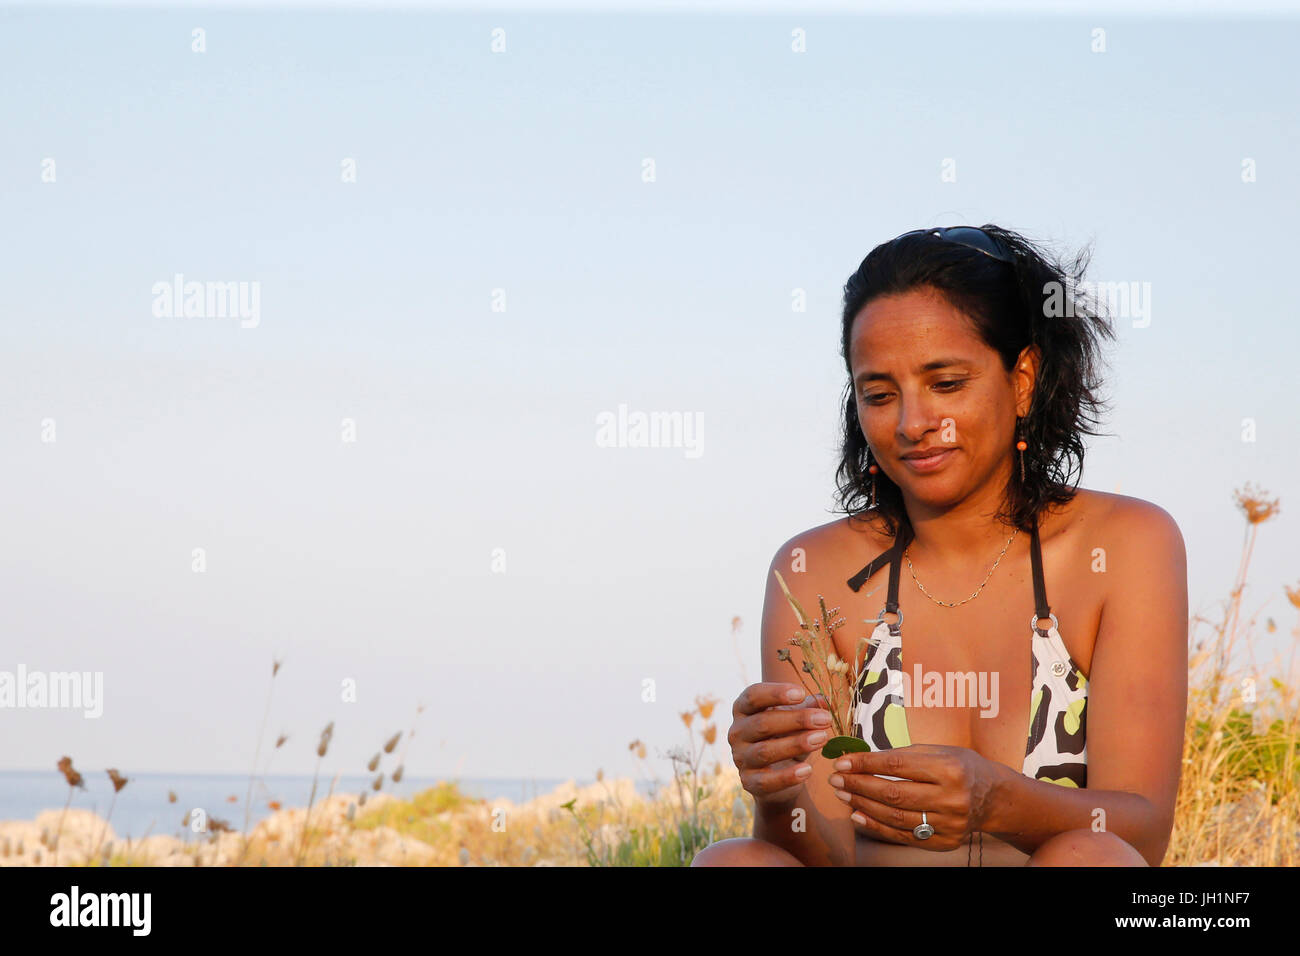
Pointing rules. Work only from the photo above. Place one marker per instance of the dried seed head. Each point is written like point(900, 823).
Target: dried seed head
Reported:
point(275, 667)
point(1293, 596)
point(69, 774)
point(119, 781)
point(706, 706)
point(687, 717)
point(377, 783)
point(274, 804)
point(171, 796)
point(710, 733)
point(397, 774)
point(392, 742)
point(1255, 505)
point(279, 741)
point(374, 763)
point(783, 654)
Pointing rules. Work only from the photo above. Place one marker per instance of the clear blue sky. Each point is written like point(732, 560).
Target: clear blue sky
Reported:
point(476, 429)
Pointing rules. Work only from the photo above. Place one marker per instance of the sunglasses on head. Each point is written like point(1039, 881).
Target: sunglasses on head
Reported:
point(970, 236)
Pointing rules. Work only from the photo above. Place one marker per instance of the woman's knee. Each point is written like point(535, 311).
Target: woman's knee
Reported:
point(1086, 848)
point(744, 851)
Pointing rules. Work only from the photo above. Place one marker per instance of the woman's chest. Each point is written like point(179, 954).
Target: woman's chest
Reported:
point(964, 675)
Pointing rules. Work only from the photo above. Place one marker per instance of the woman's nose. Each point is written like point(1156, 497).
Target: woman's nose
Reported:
point(916, 416)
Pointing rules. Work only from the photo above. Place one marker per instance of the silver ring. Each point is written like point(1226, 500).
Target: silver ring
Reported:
point(1033, 622)
point(923, 830)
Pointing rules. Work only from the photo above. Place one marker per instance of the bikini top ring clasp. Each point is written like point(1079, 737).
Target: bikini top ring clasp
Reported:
point(880, 619)
point(1033, 622)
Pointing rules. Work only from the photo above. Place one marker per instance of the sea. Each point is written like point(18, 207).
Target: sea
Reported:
point(144, 808)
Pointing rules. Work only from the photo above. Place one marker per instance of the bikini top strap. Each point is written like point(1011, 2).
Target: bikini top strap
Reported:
point(890, 554)
point(1041, 606)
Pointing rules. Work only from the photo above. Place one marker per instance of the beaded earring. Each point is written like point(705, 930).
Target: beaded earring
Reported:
point(873, 469)
point(1021, 445)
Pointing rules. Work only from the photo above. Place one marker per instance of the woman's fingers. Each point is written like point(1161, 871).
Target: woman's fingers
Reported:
point(770, 749)
point(773, 779)
point(904, 794)
point(775, 727)
point(759, 697)
point(896, 824)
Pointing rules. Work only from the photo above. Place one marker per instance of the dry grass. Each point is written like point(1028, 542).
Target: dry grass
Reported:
point(1239, 797)
point(1238, 802)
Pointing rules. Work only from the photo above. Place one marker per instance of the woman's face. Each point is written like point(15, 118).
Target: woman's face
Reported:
point(923, 379)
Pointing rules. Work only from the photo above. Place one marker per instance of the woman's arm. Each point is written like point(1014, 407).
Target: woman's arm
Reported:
point(813, 826)
point(1137, 699)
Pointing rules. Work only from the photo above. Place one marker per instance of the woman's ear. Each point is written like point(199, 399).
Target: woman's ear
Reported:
point(1025, 376)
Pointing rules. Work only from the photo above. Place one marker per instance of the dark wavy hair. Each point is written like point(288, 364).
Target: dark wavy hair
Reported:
point(1008, 304)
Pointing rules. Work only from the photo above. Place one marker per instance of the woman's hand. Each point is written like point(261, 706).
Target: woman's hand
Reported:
point(774, 728)
point(955, 787)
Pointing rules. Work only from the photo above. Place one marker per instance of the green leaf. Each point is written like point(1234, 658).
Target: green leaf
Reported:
point(839, 746)
point(569, 805)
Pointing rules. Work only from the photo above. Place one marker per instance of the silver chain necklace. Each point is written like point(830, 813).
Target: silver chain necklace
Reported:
point(977, 590)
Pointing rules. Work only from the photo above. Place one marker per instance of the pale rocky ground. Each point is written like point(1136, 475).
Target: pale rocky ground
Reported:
point(31, 843)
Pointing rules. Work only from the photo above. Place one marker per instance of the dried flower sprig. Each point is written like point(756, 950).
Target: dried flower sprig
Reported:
point(834, 679)
point(74, 779)
point(119, 782)
point(1255, 504)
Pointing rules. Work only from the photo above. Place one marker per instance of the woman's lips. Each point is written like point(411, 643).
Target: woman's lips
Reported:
point(933, 463)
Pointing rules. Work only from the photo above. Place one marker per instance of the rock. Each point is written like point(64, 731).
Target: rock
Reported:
point(82, 831)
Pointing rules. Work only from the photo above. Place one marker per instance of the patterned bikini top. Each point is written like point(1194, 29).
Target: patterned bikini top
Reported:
point(1056, 750)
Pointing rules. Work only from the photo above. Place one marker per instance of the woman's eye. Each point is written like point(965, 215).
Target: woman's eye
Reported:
point(949, 386)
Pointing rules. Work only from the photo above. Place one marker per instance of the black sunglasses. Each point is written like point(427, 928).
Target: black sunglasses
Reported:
point(970, 236)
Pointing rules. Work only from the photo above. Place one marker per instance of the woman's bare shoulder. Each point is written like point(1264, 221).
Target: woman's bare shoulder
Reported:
point(837, 543)
point(1100, 510)
point(1117, 524)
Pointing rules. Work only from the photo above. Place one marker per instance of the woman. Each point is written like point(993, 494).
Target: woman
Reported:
point(996, 739)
